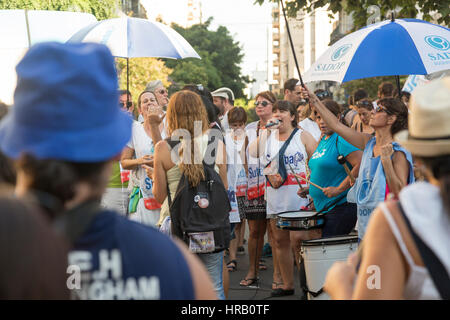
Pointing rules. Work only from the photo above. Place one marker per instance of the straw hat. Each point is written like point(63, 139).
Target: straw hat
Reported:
point(428, 133)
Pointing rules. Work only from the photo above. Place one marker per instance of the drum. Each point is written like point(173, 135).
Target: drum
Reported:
point(318, 255)
point(300, 220)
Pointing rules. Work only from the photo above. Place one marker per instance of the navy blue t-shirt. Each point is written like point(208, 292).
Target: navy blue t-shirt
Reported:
point(122, 259)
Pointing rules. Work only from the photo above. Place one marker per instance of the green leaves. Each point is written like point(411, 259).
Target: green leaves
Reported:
point(431, 9)
point(101, 9)
point(219, 66)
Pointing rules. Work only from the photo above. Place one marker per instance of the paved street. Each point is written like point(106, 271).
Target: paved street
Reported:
point(237, 292)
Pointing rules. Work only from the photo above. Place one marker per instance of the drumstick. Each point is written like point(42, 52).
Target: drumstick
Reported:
point(298, 181)
point(309, 181)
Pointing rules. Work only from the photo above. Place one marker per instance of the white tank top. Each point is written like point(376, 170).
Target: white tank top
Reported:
point(256, 180)
point(423, 206)
point(236, 176)
point(285, 198)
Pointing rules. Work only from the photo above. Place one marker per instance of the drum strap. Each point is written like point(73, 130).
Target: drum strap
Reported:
point(435, 267)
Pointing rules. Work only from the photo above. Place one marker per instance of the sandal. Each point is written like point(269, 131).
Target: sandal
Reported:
point(262, 266)
point(276, 285)
point(250, 283)
point(282, 292)
point(232, 265)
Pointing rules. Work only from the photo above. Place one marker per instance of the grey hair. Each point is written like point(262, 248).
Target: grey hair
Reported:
point(152, 85)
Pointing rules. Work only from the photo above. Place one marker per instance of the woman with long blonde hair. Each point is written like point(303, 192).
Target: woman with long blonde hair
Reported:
point(187, 118)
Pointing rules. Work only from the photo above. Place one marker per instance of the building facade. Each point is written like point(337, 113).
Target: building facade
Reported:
point(310, 36)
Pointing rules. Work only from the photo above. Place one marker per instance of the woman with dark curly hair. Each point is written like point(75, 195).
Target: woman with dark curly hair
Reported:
point(386, 167)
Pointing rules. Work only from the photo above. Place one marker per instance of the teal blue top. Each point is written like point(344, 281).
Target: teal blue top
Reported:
point(326, 170)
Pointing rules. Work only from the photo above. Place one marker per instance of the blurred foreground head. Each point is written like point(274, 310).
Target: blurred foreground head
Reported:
point(428, 134)
point(33, 259)
point(65, 123)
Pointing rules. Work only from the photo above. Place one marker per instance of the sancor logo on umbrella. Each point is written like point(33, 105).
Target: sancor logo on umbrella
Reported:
point(437, 42)
point(340, 52)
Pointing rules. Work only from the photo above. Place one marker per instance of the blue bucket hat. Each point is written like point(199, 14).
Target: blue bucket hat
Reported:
point(66, 105)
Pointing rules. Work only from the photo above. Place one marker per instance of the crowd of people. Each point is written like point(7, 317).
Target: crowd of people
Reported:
point(115, 185)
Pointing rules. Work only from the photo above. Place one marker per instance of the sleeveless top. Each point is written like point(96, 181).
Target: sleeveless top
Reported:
point(143, 145)
point(256, 180)
point(370, 187)
point(424, 208)
point(121, 259)
point(236, 176)
point(285, 197)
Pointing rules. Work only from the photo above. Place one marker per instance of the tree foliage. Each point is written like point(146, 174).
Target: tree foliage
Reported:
point(221, 56)
point(101, 9)
point(361, 14)
point(370, 85)
point(140, 72)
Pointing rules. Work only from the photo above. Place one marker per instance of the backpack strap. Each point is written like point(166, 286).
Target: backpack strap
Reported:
point(436, 269)
point(213, 142)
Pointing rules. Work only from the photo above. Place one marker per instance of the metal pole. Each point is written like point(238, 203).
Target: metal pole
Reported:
point(28, 28)
point(128, 96)
point(397, 78)
point(292, 44)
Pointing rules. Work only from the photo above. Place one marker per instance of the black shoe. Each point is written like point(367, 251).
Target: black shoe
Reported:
point(281, 292)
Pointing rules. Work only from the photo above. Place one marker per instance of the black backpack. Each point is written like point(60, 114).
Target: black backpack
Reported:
point(207, 229)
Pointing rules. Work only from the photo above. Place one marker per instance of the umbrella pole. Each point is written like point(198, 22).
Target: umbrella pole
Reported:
point(128, 96)
point(28, 28)
point(397, 78)
point(292, 44)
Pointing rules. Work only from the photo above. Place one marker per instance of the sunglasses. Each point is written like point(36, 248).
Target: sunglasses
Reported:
point(379, 108)
point(364, 103)
point(128, 104)
point(323, 95)
point(162, 91)
point(262, 103)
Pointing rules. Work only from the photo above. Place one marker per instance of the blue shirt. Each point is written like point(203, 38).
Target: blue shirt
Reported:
point(122, 259)
point(326, 170)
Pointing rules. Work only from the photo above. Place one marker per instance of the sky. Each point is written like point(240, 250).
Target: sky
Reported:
point(248, 23)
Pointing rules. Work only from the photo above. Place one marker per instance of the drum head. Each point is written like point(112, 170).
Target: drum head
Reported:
point(297, 214)
point(330, 241)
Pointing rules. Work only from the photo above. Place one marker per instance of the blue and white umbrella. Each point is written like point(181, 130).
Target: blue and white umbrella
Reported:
point(134, 37)
point(387, 48)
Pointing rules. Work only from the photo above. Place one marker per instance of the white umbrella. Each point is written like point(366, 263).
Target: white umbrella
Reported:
point(388, 48)
point(19, 29)
point(134, 37)
point(23, 28)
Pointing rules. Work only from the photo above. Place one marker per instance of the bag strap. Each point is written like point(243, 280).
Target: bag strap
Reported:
point(435, 267)
point(281, 166)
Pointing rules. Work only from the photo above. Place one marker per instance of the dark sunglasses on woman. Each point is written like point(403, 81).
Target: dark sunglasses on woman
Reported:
point(262, 103)
point(379, 108)
point(129, 104)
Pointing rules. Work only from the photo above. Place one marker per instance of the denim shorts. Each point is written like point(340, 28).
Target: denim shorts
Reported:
point(214, 265)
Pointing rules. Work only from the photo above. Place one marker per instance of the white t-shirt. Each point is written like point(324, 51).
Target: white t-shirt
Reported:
point(143, 145)
point(224, 122)
point(311, 127)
